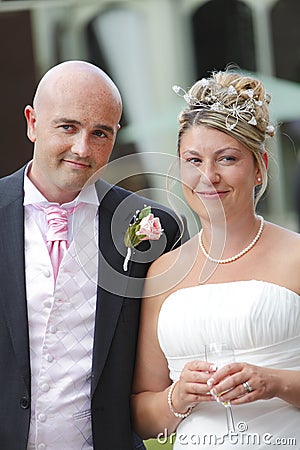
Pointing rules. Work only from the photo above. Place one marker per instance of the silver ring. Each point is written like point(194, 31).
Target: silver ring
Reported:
point(247, 387)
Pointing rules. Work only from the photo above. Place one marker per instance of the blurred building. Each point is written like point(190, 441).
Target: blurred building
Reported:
point(146, 46)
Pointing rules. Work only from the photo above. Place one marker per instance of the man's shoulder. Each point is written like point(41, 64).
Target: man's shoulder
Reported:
point(11, 186)
point(12, 177)
point(118, 197)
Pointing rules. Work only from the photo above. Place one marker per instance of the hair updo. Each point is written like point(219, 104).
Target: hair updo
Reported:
point(234, 104)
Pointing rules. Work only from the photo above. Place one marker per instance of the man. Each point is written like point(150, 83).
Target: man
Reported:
point(68, 332)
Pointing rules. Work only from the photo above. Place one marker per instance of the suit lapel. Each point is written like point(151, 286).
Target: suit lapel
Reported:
point(12, 271)
point(112, 281)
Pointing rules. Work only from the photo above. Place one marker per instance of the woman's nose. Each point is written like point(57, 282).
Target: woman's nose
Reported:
point(209, 174)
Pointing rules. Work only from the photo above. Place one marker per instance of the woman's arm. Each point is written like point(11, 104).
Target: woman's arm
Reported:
point(151, 413)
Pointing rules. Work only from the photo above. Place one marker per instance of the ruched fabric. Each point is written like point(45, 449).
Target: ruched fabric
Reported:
point(261, 321)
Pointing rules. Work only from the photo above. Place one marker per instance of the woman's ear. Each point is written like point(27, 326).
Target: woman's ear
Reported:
point(265, 158)
point(258, 172)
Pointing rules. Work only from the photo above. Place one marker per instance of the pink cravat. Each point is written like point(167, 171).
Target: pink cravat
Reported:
point(57, 233)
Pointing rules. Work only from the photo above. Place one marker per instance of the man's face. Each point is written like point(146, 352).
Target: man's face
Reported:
point(74, 131)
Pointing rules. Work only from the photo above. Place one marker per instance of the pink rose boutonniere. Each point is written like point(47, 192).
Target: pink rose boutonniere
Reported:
point(143, 228)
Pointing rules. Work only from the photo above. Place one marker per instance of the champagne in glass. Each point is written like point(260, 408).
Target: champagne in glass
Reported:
point(221, 354)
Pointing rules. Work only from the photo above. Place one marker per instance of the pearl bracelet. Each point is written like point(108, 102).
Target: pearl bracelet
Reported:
point(176, 414)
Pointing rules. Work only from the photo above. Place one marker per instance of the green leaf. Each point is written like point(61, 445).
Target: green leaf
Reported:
point(134, 237)
point(127, 238)
point(130, 238)
point(139, 239)
point(145, 212)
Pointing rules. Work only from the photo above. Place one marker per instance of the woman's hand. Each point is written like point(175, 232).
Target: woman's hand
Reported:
point(192, 387)
point(243, 383)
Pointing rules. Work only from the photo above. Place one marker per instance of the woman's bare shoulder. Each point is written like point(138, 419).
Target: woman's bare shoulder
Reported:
point(282, 256)
point(185, 253)
point(282, 235)
point(169, 270)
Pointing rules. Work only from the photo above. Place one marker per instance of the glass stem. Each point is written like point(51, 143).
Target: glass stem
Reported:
point(229, 419)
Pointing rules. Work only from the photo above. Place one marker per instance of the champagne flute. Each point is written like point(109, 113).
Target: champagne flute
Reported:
point(220, 354)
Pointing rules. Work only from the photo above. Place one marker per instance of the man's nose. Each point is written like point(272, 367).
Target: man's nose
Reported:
point(81, 145)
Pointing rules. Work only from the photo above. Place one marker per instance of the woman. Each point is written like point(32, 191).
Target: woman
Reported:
point(237, 282)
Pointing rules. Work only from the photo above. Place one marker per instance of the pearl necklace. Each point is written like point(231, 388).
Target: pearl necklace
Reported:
point(238, 255)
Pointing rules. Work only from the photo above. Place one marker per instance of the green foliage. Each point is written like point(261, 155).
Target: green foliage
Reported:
point(153, 444)
point(131, 239)
point(145, 212)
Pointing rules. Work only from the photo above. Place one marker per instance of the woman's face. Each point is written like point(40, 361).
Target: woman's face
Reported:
point(218, 173)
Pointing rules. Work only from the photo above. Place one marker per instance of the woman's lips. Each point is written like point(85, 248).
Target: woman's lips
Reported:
point(211, 194)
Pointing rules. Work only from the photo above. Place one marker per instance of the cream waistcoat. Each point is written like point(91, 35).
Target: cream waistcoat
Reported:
point(61, 330)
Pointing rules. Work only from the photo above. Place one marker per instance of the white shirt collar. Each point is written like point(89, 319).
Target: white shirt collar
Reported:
point(33, 195)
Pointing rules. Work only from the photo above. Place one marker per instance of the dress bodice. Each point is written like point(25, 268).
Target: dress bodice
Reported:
point(260, 320)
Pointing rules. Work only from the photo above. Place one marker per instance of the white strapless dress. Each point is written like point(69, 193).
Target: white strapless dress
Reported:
point(261, 321)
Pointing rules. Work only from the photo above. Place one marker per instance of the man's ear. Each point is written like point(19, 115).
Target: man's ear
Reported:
point(30, 117)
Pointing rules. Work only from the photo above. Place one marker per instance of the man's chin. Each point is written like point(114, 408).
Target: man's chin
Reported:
point(94, 177)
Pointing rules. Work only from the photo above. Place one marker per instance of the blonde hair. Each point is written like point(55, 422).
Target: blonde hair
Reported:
point(206, 94)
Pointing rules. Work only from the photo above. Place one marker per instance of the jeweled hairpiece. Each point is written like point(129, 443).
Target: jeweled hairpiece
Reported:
point(236, 111)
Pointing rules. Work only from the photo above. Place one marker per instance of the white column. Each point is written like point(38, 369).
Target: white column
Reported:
point(265, 66)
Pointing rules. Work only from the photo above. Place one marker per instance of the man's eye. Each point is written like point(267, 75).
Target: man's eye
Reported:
point(66, 127)
point(99, 133)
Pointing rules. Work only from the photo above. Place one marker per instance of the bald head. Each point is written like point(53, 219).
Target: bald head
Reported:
point(73, 124)
point(73, 77)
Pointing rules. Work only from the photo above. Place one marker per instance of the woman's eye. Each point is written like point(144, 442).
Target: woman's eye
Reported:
point(227, 158)
point(194, 160)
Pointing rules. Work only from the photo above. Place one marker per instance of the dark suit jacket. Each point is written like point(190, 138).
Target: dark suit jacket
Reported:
point(117, 315)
